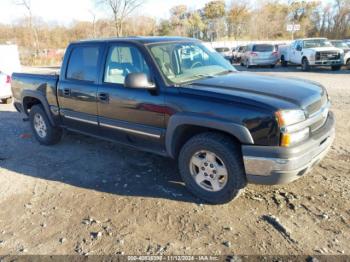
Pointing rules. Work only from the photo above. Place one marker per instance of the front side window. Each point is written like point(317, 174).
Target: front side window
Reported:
point(185, 62)
point(123, 60)
point(83, 64)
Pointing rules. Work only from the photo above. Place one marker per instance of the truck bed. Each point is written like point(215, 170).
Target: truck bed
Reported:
point(42, 84)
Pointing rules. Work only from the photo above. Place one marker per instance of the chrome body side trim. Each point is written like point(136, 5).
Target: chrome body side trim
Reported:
point(130, 130)
point(81, 120)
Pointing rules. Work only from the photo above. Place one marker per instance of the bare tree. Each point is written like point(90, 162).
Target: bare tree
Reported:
point(121, 9)
point(33, 29)
point(93, 14)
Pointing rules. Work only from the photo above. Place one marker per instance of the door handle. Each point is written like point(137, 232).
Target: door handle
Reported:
point(103, 97)
point(66, 91)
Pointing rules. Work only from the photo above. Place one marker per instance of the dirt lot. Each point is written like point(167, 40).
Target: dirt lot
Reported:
point(85, 196)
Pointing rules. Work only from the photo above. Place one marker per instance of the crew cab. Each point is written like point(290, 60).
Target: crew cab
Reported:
point(312, 52)
point(177, 98)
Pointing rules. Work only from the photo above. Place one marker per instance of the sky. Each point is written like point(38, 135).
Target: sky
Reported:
point(66, 11)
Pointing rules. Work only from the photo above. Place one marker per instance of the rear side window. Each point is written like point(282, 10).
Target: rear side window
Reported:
point(83, 63)
point(263, 48)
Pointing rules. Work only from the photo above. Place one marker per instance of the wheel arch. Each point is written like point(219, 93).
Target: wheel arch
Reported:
point(31, 98)
point(182, 127)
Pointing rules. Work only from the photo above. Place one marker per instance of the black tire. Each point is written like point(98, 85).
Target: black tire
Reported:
point(53, 134)
point(348, 64)
point(336, 68)
point(6, 100)
point(284, 63)
point(305, 66)
point(227, 150)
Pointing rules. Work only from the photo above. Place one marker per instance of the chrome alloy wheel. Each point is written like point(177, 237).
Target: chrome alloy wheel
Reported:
point(40, 126)
point(208, 171)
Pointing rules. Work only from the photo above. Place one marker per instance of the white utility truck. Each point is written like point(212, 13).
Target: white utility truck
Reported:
point(312, 52)
point(9, 63)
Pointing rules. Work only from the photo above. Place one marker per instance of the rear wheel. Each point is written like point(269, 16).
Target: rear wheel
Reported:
point(43, 130)
point(336, 68)
point(348, 64)
point(305, 66)
point(284, 63)
point(212, 168)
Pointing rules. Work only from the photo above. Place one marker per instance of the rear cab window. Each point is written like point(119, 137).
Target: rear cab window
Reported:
point(83, 63)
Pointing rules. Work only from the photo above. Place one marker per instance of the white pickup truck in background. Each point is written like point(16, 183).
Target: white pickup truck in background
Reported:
point(312, 52)
point(9, 63)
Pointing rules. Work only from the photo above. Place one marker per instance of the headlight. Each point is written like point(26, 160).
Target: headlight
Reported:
point(290, 117)
point(289, 139)
point(287, 118)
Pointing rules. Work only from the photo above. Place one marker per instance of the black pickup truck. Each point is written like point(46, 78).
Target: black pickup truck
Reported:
point(177, 98)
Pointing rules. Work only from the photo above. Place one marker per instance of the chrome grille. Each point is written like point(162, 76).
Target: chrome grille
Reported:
point(319, 110)
point(327, 55)
point(316, 106)
point(318, 124)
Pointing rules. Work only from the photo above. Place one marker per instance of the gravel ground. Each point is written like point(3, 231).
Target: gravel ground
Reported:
point(86, 196)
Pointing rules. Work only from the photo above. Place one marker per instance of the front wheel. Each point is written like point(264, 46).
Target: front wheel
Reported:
point(348, 64)
point(305, 66)
point(212, 168)
point(336, 68)
point(43, 130)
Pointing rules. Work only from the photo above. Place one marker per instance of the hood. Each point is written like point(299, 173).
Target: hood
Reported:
point(276, 92)
point(326, 49)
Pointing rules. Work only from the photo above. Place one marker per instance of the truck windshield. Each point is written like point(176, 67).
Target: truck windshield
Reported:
point(187, 62)
point(317, 43)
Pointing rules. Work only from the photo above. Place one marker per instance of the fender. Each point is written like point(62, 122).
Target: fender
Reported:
point(239, 131)
point(38, 95)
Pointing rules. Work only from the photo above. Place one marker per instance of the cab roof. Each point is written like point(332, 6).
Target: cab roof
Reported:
point(145, 40)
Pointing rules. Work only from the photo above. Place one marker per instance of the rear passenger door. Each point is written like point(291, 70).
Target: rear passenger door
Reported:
point(77, 88)
point(133, 116)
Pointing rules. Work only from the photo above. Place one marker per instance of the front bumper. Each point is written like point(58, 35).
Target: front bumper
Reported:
point(279, 165)
point(337, 62)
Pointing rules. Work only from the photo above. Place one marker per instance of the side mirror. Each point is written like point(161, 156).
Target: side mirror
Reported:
point(299, 48)
point(138, 80)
